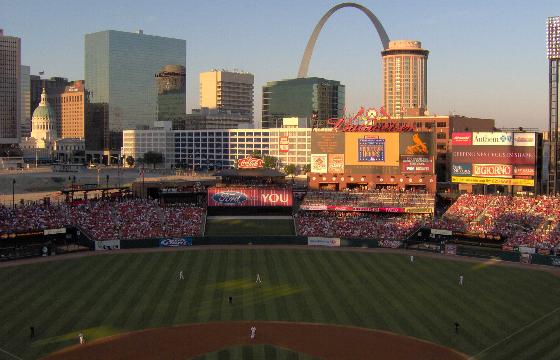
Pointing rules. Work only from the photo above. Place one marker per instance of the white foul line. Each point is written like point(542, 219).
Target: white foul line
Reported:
point(515, 333)
point(12, 355)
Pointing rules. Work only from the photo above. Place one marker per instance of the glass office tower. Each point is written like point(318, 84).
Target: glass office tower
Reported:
point(301, 97)
point(171, 95)
point(119, 77)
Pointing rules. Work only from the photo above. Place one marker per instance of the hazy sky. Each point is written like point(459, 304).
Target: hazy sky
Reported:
point(487, 58)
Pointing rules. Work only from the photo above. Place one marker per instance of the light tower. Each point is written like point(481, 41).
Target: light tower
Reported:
point(553, 55)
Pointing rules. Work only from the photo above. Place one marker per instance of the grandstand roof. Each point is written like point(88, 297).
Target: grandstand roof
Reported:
point(262, 172)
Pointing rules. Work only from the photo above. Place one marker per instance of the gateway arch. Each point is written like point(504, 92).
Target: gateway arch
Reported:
point(304, 65)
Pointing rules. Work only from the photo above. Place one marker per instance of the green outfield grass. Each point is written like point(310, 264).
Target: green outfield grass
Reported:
point(267, 352)
point(108, 294)
point(236, 227)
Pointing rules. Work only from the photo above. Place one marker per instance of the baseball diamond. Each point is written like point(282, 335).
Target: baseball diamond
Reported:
point(504, 312)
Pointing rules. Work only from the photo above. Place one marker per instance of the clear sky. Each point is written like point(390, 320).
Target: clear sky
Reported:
point(487, 58)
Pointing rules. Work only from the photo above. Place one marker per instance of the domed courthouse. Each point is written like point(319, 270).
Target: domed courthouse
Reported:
point(41, 144)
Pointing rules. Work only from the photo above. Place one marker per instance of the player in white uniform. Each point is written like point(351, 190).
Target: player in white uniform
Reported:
point(411, 258)
point(253, 332)
point(258, 279)
point(461, 279)
point(82, 339)
point(181, 277)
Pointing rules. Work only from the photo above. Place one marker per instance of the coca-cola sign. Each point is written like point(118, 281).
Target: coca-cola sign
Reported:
point(250, 163)
point(230, 198)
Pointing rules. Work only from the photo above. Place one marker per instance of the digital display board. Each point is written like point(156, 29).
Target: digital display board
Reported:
point(248, 197)
point(494, 158)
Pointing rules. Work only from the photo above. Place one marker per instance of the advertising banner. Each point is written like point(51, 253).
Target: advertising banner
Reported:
point(493, 155)
point(461, 169)
point(175, 242)
point(364, 209)
point(321, 241)
point(416, 164)
point(492, 138)
point(249, 197)
point(284, 144)
point(335, 163)
point(54, 231)
point(526, 250)
point(461, 138)
point(441, 232)
point(107, 245)
point(523, 170)
point(250, 163)
point(492, 170)
point(371, 150)
point(319, 163)
point(450, 249)
point(555, 261)
point(524, 139)
point(418, 210)
point(492, 181)
point(327, 142)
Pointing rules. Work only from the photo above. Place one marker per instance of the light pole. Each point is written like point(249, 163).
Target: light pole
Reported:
point(14, 194)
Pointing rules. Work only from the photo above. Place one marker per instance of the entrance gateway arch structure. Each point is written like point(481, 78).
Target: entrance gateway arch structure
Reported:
point(304, 65)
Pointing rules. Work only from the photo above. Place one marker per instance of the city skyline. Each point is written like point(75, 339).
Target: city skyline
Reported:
point(502, 76)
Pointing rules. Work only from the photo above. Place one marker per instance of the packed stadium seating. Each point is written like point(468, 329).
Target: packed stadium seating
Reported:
point(522, 221)
point(105, 220)
point(356, 224)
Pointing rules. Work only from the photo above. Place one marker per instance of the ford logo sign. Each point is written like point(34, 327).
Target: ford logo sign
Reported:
point(230, 198)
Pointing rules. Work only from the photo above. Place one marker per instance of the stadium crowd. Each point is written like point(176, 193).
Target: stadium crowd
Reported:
point(521, 221)
point(107, 220)
point(356, 224)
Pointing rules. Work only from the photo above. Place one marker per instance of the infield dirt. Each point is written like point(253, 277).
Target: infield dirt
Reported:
point(318, 340)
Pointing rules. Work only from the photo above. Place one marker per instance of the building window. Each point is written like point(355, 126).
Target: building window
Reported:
point(441, 124)
point(441, 135)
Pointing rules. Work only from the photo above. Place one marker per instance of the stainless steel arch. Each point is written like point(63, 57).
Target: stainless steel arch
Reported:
point(304, 65)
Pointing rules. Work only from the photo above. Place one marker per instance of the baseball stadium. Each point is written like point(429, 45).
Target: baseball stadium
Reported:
point(362, 259)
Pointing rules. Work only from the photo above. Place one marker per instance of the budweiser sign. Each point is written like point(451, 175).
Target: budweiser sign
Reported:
point(368, 121)
point(250, 163)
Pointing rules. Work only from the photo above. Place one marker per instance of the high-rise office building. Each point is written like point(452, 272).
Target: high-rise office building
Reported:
point(54, 87)
point(553, 55)
point(73, 103)
point(171, 95)
point(119, 78)
point(10, 68)
point(25, 104)
point(405, 72)
point(229, 92)
point(302, 97)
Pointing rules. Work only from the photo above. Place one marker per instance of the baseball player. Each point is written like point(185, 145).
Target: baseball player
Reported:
point(411, 258)
point(461, 280)
point(253, 331)
point(181, 277)
point(258, 279)
point(82, 339)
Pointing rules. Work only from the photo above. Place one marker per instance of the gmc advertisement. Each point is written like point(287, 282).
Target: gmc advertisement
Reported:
point(249, 197)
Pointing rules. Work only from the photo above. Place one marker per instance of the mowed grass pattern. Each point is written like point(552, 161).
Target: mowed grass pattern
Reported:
point(108, 294)
point(267, 352)
point(237, 227)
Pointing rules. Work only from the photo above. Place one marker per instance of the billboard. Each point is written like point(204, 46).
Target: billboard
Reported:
point(417, 164)
point(319, 163)
point(241, 197)
point(284, 144)
point(494, 158)
point(491, 181)
point(372, 152)
point(492, 138)
point(485, 154)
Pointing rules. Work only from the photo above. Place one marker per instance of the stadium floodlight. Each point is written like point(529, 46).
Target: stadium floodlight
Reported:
point(553, 37)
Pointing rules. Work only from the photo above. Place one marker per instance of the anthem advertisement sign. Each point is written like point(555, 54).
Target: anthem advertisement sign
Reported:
point(248, 197)
point(494, 158)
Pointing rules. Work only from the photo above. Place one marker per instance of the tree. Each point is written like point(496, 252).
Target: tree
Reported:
point(152, 157)
point(307, 168)
point(290, 169)
point(256, 154)
point(270, 162)
point(129, 160)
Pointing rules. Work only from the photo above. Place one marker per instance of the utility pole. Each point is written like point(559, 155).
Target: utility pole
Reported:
point(14, 194)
